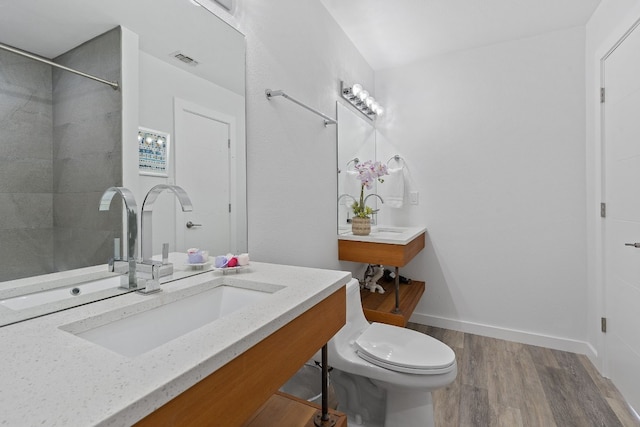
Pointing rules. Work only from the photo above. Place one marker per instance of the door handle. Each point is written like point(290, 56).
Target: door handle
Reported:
point(191, 225)
point(635, 245)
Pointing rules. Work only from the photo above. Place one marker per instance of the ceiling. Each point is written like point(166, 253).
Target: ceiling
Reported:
point(394, 33)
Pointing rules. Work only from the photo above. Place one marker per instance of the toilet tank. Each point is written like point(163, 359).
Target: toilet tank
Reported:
point(355, 315)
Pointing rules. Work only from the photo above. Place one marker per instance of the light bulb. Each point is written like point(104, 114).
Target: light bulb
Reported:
point(370, 101)
point(139, 138)
point(363, 95)
point(356, 89)
point(380, 111)
point(148, 140)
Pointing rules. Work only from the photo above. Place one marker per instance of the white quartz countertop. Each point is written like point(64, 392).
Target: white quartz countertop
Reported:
point(52, 377)
point(382, 234)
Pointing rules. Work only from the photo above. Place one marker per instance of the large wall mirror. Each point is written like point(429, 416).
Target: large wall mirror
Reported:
point(356, 143)
point(64, 139)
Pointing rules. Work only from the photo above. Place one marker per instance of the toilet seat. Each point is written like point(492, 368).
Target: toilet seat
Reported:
point(404, 350)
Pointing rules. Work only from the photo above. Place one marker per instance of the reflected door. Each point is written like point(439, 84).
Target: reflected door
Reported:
point(622, 223)
point(202, 160)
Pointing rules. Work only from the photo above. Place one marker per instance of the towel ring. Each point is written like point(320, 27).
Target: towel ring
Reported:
point(398, 159)
point(355, 162)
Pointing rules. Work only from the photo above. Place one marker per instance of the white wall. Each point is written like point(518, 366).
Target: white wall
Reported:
point(296, 46)
point(607, 25)
point(494, 141)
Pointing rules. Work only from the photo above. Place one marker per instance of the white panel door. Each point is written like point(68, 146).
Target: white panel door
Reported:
point(202, 160)
point(621, 125)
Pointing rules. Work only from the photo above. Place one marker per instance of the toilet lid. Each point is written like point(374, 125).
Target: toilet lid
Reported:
point(404, 350)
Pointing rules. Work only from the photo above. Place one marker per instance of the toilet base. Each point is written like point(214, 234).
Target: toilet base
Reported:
point(409, 409)
point(372, 403)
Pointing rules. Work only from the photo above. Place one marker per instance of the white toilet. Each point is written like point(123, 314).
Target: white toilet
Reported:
point(378, 363)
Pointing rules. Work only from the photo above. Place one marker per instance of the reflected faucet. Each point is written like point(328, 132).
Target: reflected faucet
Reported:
point(146, 237)
point(375, 211)
point(342, 196)
point(375, 195)
point(132, 227)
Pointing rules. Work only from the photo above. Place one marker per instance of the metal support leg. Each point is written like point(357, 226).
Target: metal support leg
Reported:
point(323, 419)
point(397, 283)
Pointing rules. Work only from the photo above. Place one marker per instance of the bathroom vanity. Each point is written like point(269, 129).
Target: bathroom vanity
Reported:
point(389, 246)
point(62, 368)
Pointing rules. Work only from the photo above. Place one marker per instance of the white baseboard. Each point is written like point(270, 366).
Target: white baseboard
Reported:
point(556, 343)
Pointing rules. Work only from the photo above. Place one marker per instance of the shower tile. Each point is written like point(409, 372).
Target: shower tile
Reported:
point(81, 210)
point(76, 147)
point(26, 210)
point(25, 252)
point(96, 134)
point(25, 176)
point(26, 130)
point(87, 173)
point(75, 105)
point(78, 247)
point(26, 137)
point(99, 56)
point(20, 73)
point(76, 98)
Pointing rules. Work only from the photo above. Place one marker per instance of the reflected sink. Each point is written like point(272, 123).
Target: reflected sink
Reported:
point(139, 333)
point(387, 232)
point(54, 295)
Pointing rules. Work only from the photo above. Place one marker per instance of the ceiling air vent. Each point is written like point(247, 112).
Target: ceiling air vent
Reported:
point(184, 58)
point(227, 4)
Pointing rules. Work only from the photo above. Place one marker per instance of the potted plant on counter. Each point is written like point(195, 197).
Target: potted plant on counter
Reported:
point(368, 173)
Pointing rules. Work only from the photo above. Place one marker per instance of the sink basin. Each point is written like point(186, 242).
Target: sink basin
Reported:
point(54, 295)
point(150, 328)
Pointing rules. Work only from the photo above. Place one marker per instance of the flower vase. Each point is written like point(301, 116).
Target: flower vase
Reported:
point(360, 226)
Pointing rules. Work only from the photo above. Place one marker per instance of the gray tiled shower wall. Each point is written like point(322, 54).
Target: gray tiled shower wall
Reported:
point(60, 148)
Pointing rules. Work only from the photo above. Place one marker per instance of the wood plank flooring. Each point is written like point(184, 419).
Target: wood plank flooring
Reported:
point(502, 383)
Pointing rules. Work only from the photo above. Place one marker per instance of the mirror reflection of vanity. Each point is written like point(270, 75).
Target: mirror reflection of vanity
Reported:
point(53, 171)
point(391, 247)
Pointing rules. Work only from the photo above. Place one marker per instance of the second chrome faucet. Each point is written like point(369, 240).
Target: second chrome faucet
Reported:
point(146, 236)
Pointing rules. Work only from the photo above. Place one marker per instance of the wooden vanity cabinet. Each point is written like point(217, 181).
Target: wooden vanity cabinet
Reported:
point(231, 395)
point(382, 307)
point(380, 253)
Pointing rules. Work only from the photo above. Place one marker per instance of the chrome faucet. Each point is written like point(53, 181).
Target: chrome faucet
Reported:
point(146, 236)
point(132, 228)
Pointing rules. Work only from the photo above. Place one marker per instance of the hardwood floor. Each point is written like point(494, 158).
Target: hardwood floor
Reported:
point(503, 383)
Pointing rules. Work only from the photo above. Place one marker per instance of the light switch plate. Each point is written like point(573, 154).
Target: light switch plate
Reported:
point(413, 197)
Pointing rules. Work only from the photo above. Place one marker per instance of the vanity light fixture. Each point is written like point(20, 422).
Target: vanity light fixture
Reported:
point(362, 100)
point(151, 139)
